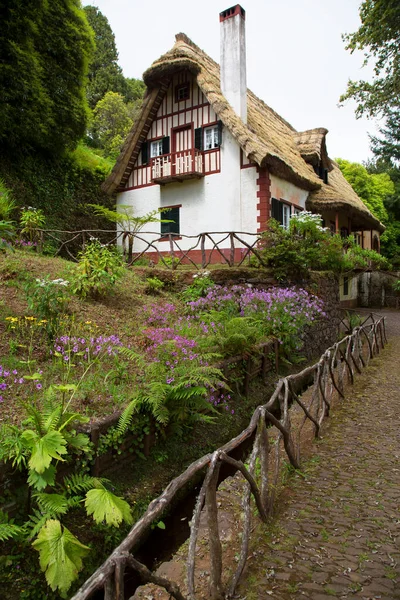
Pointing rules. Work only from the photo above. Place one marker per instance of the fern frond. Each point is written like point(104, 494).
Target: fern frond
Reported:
point(127, 414)
point(53, 504)
point(10, 530)
point(77, 482)
point(132, 355)
point(36, 522)
point(52, 419)
point(36, 418)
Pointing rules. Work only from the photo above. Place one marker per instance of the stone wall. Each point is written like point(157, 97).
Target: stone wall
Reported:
point(375, 289)
point(319, 337)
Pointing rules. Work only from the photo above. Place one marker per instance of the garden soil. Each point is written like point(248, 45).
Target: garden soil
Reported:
point(336, 530)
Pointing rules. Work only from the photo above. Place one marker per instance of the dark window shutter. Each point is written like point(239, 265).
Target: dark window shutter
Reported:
point(219, 133)
point(171, 214)
point(277, 210)
point(145, 153)
point(165, 145)
point(198, 138)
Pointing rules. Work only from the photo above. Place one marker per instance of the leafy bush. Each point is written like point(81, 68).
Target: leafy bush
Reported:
point(153, 285)
point(48, 300)
point(201, 284)
point(7, 202)
point(97, 271)
point(306, 246)
point(31, 220)
point(279, 312)
point(47, 437)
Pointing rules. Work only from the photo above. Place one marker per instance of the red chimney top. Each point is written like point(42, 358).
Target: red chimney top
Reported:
point(232, 12)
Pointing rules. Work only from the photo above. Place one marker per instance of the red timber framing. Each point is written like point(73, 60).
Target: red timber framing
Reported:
point(264, 198)
point(170, 116)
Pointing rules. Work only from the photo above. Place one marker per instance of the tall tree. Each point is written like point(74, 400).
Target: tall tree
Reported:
point(376, 188)
point(387, 147)
point(45, 48)
point(379, 38)
point(112, 119)
point(105, 74)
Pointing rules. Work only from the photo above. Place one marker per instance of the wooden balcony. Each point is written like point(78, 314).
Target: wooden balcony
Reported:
point(177, 166)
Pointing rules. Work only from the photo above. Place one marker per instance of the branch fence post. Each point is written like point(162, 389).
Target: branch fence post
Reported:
point(203, 250)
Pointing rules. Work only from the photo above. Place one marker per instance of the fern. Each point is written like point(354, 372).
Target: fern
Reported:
point(77, 483)
point(35, 523)
point(8, 529)
point(126, 417)
point(132, 356)
point(53, 504)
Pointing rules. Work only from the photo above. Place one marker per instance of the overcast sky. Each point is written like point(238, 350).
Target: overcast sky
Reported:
point(296, 59)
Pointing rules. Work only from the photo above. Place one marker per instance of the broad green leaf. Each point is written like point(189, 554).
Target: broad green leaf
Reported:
point(61, 555)
point(32, 377)
point(80, 441)
point(105, 506)
point(51, 445)
point(161, 525)
point(40, 482)
point(67, 387)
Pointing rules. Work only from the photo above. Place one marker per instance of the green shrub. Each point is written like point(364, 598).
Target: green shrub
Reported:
point(153, 285)
point(306, 246)
point(48, 300)
point(97, 271)
point(31, 220)
point(198, 289)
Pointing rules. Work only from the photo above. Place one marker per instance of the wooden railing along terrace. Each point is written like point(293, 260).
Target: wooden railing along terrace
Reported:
point(274, 438)
point(227, 247)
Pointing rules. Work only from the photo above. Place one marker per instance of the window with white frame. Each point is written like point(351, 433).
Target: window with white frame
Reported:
point(281, 211)
point(156, 148)
point(285, 215)
point(211, 137)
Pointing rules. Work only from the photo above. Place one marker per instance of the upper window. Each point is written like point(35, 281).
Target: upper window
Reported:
point(182, 92)
point(156, 148)
point(211, 137)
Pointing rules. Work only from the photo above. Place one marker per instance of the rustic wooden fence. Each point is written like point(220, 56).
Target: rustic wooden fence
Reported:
point(226, 247)
point(275, 433)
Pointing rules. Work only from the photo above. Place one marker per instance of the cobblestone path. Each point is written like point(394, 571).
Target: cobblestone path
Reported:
point(338, 534)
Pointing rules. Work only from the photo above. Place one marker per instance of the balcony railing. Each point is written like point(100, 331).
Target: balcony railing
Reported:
point(177, 166)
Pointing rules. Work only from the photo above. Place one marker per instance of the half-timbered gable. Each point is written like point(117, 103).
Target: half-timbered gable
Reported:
point(183, 141)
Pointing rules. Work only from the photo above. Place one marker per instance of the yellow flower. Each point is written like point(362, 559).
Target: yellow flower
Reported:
point(30, 318)
point(88, 322)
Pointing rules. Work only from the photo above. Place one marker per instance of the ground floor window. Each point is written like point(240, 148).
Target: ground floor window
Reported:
point(281, 211)
point(172, 215)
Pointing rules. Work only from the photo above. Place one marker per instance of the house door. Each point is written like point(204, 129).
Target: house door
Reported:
point(182, 144)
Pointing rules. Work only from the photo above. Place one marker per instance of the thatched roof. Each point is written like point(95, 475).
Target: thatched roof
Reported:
point(312, 146)
point(267, 139)
point(339, 195)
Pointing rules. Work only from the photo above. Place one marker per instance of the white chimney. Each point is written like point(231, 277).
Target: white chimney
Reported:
point(233, 59)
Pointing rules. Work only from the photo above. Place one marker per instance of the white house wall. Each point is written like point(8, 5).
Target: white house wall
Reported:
point(284, 190)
